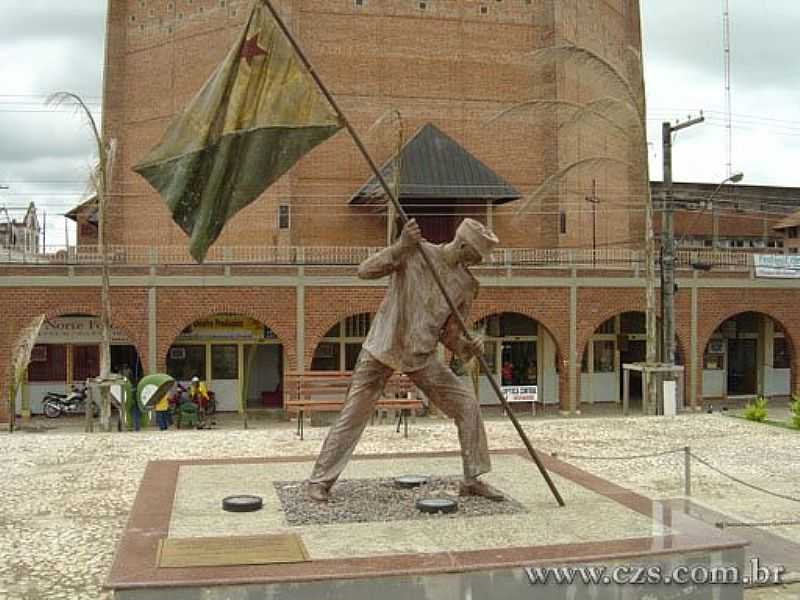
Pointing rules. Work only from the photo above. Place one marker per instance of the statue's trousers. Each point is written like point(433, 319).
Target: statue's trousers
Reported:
point(442, 387)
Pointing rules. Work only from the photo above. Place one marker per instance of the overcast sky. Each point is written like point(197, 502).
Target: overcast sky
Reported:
point(47, 46)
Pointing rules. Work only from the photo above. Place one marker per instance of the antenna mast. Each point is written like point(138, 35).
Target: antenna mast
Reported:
point(726, 25)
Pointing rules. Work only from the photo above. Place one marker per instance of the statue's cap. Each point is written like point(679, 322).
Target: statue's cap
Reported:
point(478, 236)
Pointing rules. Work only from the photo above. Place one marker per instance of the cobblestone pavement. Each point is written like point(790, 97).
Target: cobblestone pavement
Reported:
point(66, 495)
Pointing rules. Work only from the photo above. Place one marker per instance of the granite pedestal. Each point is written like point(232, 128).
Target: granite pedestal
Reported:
point(435, 557)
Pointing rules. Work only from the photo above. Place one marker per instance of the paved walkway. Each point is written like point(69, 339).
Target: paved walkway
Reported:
point(66, 495)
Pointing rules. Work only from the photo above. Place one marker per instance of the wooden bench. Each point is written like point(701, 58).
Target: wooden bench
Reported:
point(325, 391)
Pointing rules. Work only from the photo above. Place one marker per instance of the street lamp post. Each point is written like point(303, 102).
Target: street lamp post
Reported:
point(735, 178)
point(668, 248)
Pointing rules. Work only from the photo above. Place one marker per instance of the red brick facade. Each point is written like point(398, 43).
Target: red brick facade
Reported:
point(276, 307)
point(455, 63)
point(451, 64)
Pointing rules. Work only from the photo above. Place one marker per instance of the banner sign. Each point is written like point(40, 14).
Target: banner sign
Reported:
point(226, 327)
point(786, 266)
point(77, 330)
point(521, 393)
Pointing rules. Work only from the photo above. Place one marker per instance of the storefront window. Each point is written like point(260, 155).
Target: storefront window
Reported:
point(585, 360)
point(714, 362)
point(351, 352)
point(48, 363)
point(185, 362)
point(632, 322)
point(508, 324)
point(714, 356)
point(326, 357)
point(780, 354)
point(85, 362)
point(603, 356)
point(341, 344)
point(607, 327)
point(357, 325)
point(224, 362)
point(519, 363)
point(490, 354)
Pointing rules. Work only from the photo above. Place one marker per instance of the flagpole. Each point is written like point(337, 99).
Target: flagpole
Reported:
point(404, 217)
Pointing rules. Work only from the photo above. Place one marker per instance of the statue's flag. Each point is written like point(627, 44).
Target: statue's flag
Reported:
point(258, 113)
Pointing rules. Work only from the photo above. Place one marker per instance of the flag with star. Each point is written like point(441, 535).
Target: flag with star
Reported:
point(258, 114)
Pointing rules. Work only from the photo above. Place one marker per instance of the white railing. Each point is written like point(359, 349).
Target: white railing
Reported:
point(503, 258)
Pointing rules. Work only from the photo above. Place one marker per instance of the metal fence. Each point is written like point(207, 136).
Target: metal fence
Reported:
point(545, 258)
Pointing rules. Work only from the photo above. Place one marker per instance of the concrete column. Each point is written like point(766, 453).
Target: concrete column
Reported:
point(573, 343)
point(694, 365)
point(300, 316)
point(764, 338)
point(152, 332)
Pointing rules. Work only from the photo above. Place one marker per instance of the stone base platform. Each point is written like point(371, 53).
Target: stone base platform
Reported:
point(369, 553)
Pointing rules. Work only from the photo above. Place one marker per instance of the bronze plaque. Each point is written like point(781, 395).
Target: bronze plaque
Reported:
point(231, 551)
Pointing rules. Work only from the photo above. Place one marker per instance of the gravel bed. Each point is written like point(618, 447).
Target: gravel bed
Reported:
point(379, 500)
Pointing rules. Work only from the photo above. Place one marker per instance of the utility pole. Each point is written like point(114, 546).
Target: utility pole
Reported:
point(668, 248)
point(595, 201)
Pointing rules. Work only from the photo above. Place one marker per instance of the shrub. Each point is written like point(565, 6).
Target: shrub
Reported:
point(756, 411)
point(796, 410)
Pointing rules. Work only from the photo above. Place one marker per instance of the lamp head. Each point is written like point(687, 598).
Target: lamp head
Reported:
point(736, 177)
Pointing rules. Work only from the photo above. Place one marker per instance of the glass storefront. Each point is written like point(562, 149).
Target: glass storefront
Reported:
point(231, 353)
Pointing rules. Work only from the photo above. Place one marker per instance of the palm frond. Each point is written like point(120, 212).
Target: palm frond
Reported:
point(535, 105)
point(599, 70)
point(619, 116)
point(392, 113)
point(546, 187)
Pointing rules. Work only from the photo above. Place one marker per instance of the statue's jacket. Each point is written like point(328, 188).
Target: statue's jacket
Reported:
point(414, 315)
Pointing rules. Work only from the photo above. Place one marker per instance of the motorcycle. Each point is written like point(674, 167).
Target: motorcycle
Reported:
point(55, 405)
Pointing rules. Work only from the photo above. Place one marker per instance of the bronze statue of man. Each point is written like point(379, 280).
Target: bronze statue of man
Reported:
point(412, 319)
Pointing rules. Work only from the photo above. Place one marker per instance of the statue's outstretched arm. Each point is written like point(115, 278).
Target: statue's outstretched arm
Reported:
point(391, 258)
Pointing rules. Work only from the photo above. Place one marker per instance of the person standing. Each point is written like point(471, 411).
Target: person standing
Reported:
point(162, 410)
point(412, 319)
point(198, 393)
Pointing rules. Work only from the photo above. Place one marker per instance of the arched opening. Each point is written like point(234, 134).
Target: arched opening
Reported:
point(340, 346)
point(520, 352)
point(747, 355)
point(239, 357)
point(67, 352)
point(621, 339)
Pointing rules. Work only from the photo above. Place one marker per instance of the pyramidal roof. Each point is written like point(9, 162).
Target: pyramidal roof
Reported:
point(434, 166)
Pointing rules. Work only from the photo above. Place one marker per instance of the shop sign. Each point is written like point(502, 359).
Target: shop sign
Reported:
point(521, 393)
point(785, 266)
point(226, 327)
point(76, 330)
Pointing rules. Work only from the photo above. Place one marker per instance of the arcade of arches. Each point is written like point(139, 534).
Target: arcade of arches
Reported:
point(244, 361)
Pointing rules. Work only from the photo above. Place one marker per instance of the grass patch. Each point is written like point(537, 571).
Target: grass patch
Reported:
point(782, 424)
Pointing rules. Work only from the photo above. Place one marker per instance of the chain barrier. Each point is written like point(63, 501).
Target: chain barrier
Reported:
point(723, 524)
point(698, 459)
point(651, 455)
point(744, 483)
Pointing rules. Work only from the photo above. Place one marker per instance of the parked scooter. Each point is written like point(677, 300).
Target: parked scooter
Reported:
point(74, 403)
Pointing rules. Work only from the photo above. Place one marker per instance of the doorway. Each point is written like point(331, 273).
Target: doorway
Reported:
point(633, 351)
point(265, 378)
point(742, 367)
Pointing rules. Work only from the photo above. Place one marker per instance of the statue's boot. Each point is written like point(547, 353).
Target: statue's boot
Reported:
point(318, 492)
point(473, 487)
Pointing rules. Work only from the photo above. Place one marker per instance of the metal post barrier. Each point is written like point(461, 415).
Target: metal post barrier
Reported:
point(687, 471)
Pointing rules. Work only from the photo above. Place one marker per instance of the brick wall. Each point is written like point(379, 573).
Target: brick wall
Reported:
point(178, 307)
point(450, 64)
